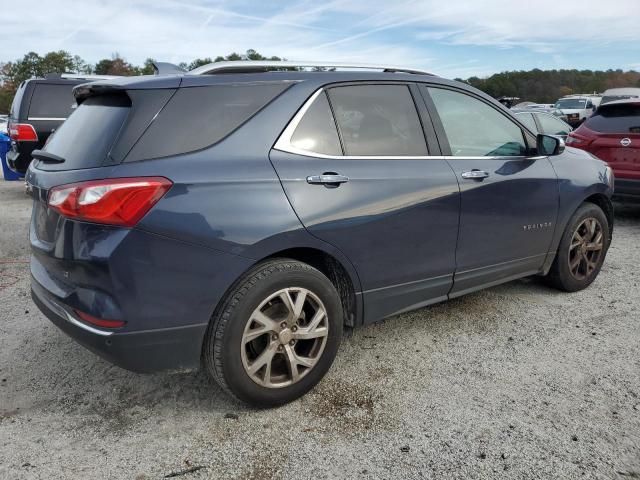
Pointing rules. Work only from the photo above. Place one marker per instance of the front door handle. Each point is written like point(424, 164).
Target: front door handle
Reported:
point(475, 174)
point(332, 179)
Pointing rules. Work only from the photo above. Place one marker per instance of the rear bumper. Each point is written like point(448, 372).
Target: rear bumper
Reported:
point(627, 189)
point(148, 351)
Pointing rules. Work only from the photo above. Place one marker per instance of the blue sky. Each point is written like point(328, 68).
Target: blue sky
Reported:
point(453, 38)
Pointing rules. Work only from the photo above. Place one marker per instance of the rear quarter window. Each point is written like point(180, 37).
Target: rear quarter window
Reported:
point(616, 119)
point(198, 117)
point(52, 101)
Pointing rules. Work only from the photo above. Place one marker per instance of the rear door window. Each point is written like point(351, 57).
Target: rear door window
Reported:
point(378, 120)
point(528, 121)
point(474, 128)
point(198, 117)
point(552, 126)
point(620, 118)
point(316, 131)
point(51, 101)
point(85, 138)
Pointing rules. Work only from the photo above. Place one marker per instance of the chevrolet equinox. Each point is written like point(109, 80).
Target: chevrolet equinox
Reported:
point(238, 216)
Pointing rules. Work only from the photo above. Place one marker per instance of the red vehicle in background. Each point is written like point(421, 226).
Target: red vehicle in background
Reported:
point(612, 134)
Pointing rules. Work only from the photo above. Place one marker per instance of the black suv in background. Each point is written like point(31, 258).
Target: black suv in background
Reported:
point(39, 107)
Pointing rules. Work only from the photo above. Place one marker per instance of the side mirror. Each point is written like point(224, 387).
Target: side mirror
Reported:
point(548, 145)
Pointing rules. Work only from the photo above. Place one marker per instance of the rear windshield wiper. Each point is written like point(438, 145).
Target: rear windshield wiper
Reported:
point(46, 156)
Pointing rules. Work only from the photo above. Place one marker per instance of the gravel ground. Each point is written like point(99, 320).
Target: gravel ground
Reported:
point(518, 381)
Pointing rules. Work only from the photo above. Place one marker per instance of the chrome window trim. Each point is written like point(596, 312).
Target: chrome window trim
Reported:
point(47, 118)
point(283, 144)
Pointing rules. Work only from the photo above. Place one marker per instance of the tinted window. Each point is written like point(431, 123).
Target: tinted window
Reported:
point(474, 128)
point(197, 117)
point(317, 132)
point(85, 138)
point(529, 122)
point(552, 126)
point(378, 120)
point(52, 101)
point(616, 119)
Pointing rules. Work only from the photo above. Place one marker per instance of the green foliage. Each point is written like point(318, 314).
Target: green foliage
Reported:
point(116, 65)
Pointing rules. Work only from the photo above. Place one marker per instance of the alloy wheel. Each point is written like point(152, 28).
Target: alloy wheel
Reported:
point(284, 338)
point(585, 250)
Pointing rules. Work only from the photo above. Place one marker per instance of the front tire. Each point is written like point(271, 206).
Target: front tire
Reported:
point(582, 250)
point(275, 334)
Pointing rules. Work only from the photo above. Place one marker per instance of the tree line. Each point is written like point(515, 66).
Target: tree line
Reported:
point(34, 65)
point(546, 86)
point(542, 86)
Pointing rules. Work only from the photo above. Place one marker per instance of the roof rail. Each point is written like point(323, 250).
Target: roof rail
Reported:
point(81, 76)
point(165, 68)
point(253, 66)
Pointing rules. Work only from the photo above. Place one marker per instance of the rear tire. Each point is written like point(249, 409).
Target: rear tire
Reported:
point(582, 250)
point(275, 334)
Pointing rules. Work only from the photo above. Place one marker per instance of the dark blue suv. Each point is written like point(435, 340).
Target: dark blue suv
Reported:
point(240, 215)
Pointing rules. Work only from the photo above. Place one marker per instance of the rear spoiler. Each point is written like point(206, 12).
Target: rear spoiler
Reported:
point(122, 84)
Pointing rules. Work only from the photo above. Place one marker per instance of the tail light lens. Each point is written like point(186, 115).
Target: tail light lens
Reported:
point(22, 132)
point(576, 141)
point(99, 322)
point(116, 201)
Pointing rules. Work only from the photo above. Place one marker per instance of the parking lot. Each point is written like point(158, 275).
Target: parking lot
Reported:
point(517, 381)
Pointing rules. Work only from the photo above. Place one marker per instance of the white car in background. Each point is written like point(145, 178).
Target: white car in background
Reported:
point(3, 124)
point(578, 108)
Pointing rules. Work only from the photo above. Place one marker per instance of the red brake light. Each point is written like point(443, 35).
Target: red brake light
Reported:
point(22, 132)
point(99, 322)
point(116, 201)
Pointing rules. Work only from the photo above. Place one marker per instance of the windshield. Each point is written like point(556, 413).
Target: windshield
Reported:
point(571, 103)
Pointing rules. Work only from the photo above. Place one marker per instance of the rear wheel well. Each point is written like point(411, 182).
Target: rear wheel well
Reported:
point(605, 204)
point(333, 270)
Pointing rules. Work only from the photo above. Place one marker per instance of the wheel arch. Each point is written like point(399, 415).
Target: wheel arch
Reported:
point(604, 202)
point(597, 198)
point(335, 271)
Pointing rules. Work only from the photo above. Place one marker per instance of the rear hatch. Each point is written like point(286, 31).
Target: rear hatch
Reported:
point(97, 136)
point(617, 139)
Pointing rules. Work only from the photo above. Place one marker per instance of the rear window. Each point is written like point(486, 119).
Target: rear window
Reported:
point(198, 117)
point(85, 138)
point(616, 119)
point(51, 101)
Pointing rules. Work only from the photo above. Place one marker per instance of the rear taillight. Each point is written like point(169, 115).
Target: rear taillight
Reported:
point(99, 322)
point(117, 201)
point(22, 132)
point(575, 140)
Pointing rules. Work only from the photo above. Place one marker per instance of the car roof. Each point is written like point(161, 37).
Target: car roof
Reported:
point(623, 91)
point(313, 79)
point(625, 101)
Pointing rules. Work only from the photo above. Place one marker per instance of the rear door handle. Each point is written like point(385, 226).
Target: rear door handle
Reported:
point(475, 174)
point(327, 179)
